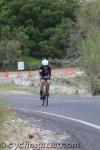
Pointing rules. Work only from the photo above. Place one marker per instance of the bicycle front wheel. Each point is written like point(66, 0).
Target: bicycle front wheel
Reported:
point(46, 100)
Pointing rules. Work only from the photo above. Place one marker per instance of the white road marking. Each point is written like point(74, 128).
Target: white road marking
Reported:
point(67, 118)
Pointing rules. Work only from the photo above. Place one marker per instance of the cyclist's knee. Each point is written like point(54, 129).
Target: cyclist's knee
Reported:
point(41, 84)
point(49, 82)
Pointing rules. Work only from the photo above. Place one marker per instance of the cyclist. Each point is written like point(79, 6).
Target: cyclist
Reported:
point(45, 73)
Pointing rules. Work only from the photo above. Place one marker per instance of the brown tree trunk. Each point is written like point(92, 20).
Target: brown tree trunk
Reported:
point(93, 87)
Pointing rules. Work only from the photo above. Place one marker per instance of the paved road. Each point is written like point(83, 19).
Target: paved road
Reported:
point(80, 115)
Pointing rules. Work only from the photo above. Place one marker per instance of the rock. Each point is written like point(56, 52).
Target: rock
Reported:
point(31, 136)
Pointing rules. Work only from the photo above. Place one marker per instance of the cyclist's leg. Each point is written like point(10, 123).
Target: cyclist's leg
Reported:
point(41, 87)
point(49, 82)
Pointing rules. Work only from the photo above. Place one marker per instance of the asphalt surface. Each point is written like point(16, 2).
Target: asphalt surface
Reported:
point(80, 116)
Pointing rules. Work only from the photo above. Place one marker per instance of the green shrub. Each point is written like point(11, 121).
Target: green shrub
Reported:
point(97, 89)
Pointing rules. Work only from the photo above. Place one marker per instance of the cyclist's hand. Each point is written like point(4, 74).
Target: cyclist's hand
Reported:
point(46, 77)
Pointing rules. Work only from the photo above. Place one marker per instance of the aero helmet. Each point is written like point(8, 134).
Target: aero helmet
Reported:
point(45, 62)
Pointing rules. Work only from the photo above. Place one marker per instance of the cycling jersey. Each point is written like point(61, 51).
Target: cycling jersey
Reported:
point(45, 72)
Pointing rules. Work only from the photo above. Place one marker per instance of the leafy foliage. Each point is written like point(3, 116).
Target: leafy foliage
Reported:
point(41, 27)
point(89, 45)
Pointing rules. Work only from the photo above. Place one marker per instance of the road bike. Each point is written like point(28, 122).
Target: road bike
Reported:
point(45, 93)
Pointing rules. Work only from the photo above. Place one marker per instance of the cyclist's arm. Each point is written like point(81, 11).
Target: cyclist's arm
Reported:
point(50, 71)
point(40, 72)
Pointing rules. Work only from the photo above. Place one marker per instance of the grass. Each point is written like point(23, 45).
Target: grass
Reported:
point(9, 87)
point(31, 63)
point(81, 82)
point(5, 114)
point(31, 60)
point(2, 114)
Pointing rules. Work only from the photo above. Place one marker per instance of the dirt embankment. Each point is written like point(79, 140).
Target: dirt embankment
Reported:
point(19, 134)
point(28, 136)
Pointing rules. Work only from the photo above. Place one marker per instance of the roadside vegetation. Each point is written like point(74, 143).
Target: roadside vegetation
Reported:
point(36, 28)
point(66, 32)
point(89, 43)
point(3, 113)
point(6, 113)
point(10, 87)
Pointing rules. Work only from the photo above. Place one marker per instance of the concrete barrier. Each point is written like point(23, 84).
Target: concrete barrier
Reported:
point(68, 72)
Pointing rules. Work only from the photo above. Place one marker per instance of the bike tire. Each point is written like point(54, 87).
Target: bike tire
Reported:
point(45, 96)
point(43, 100)
point(46, 100)
point(47, 89)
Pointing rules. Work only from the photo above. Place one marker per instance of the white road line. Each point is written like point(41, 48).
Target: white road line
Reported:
point(67, 118)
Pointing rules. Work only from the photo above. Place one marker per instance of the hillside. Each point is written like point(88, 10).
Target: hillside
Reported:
point(36, 28)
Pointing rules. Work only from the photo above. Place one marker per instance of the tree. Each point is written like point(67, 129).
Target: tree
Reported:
point(37, 22)
point(13, 51)
point(89, 45)
point(2, 51)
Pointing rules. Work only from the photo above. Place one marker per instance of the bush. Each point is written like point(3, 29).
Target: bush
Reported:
point(55, 62)
point(97, 88)
point(62, 63)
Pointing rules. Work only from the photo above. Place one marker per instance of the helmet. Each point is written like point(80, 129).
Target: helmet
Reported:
point(45, 62)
